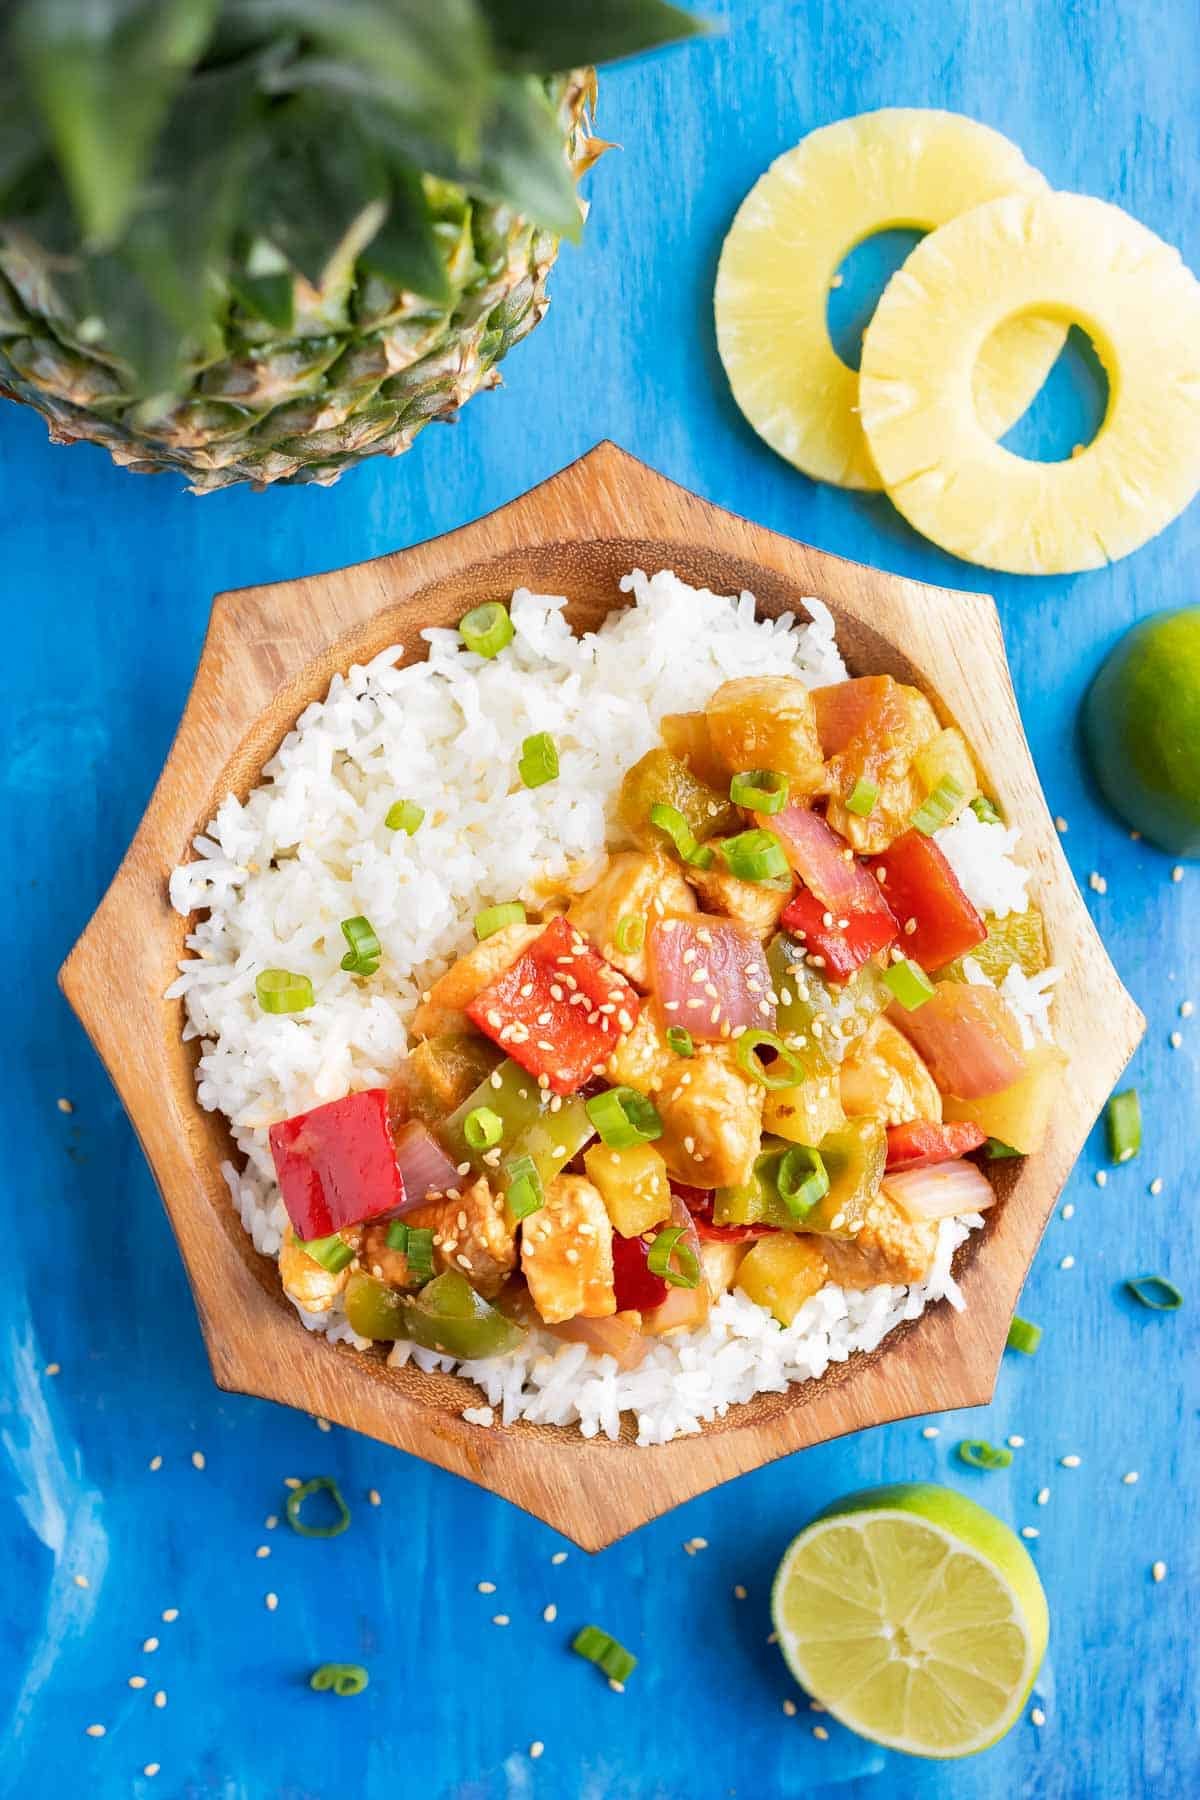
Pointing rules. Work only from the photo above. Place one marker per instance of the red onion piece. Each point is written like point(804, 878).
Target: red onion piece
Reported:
point(710, 975)
point(941, 1191)
point(683, 1308)
point(619, 1336)
point(969, 1038)
point(818, 856)
point(424, 1167)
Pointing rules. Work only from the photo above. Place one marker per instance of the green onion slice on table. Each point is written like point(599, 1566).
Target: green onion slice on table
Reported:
point(404, 815)
point(495, 918)
point(280, 991)
point(487, 629)
point(598, 1647)
point(670, 820)
point(755, 856)
point(538, 762)
point(684, 1272)
point(760, 790)
point(977, 1453)
point(343, 1679)
point(320, 1484)
point(1156, 1292)
point(623, 1117)
point(936, 808)
point(1124, 1120)
point(1023, 1335)
point(365, 950)
point(909, 983)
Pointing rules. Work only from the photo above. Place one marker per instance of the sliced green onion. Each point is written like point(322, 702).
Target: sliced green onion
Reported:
point(760, 790)
point(482, 1128)
point(486, 629)
point(1156, 1292)
point(863, 796)
point(909, 982)
point(405, 815)
point(1023, 1335)
point(362, 958)
point(630, 934)
point(279, 991)
point(295, 1500)
point(539, 760)
point(680, 1041)
point(596, 1646)
point(343, 1679)
point(415, 1243)
point(658, 1259)
point(996, 1150)
point(936, 808)
point(495, 918)
point(755, 856)
point(984, 811)
point(784, 1072)
point(1124, 1119)
point(524, 1193)
point(671, 820)
point(802, 1179)
point(977, 1453)
point(333, 1253)
point(623, 1117)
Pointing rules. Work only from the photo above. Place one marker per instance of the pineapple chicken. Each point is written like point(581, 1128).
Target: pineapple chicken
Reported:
point(753, 904)
point(884, 1078)
point(306, 1281)
point(841, 184)
point(566, 1253)
point(642, 1058)
point(264, 242)
point(442, 1012)
point(472, 1234)
point(888, 1247)
point(711, 1113)
point(766, 722)
point(1068, 256)
point(637, 887)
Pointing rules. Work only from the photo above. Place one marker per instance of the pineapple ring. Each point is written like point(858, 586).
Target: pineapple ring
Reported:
point(902, 166)
point(1064, 256)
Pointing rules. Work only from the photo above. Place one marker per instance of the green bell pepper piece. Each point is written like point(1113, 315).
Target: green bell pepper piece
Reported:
point(530, 1128)
point(448, 1315)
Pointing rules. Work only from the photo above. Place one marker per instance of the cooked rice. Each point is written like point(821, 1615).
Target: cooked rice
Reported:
point(273, 878)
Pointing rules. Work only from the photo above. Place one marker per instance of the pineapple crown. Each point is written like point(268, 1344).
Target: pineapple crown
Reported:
point(162, 158)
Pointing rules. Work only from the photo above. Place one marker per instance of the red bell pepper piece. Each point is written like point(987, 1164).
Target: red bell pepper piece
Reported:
point(845, 944)
point(922, 1143)
point(635, 1288)
point(939, 923)
point(337, 1164)
point(559, 1010)
point(699, 1202)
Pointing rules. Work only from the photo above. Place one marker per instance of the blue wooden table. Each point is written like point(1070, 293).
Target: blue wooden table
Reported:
point(132, 1490)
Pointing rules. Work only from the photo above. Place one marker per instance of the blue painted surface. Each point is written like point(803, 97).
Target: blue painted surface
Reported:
point(107, 580)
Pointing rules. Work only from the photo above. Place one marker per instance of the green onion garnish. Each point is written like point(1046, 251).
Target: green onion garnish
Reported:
point(1023, 1335)
point(539, 760)
point(760, 790)
point(910, 984)
point(658, 1259)
point(671, 820)
point(863, 796)
point(936, 808)
point(524, 1193)
point(333, 1253)
point(784, 1072)
point(802, 1179)
point(623, 1117)
point(482, 1128)
point(1156, 1292)
point(362, 958)
point(598, 1647)
point(680, 1041)
point(405, 816)
point(977, 1453)
point(996, 1150)
point(985, 811)
point(486, 629)
point(297, 1497)
point(630, 934)
point(279, 991)
point(343, 1679)
point(415, 1243)
point(495, 918)
point(1124, 1119)
point(755, 856)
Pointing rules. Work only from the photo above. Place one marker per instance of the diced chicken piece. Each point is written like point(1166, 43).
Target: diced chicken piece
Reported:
point(768, 722)
point(884, 1078)
point(566, 1253)
point(378, 1259)
point(306, 1281)
point(888, 1248)
point(472, 1235)
point(444, 1011)
point(712, 1119)
point(752, 903)
point(720, 1260)
point(641, 1059)
point(635, 886)
point(892, 725)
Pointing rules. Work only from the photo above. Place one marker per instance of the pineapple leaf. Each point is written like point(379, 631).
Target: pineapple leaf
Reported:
point(542, 35)
point(404, 250)
point(523, 161)
point(312, 178)
point(103, 76)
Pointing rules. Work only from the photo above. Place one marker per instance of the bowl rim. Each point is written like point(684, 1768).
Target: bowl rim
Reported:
point(268, 651)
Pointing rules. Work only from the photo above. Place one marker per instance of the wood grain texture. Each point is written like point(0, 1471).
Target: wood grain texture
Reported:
point(269, 652)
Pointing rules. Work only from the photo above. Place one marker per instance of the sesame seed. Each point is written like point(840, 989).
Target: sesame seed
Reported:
point(739, 1592)
point(618, 1687)
point(1130, 1478)
point(54, 1368)
point(263, 1550)
point(1070, 1462)
point(271, 1521)
point(96, 1730)
point(550, 1613)
point(1186, 1009)
point(271, 1602)
point(1101, 1178)
point(1029, 1531)
point(197, 1459)
point(1037, 1716)
point(156, 1462)
point(151, 1769)
point(485, 1587)
point(1068, 1262)
point(150, 1645)
point(81, 1581)
point(1158, 1570)
point(815, 1706)
point(1177, 872)
point(160, 1698)
point(500, 1619)
point(560, 1556)
point(1060, 824)
point(374, 1496)
point(536, 1748)
point(137, 1681)
point(789, 1707)
point(820, 1733)
point(1015, 1442)
point(170, 1616)
point(930, 1431)
point(1156, 1186)
point(1175, 1039)
point(1068, 1211)
point(1097, 883)
point(773, 1638)
point(1043, 1496)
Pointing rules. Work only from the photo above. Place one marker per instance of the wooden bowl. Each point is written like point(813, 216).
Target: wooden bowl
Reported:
point(268, 653)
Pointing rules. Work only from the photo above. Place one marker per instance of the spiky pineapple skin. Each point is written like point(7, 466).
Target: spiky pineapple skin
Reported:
point(361, 378)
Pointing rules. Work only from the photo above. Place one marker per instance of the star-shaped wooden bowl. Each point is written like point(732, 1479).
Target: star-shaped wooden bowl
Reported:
point(269, 652)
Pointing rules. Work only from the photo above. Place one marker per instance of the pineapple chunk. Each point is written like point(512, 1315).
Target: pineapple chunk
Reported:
point(1065, 256)
point(884, 1078)
point(633, 1186)
point(754, 904)
point(1020, 1115)
point(641, 1058)
point(946, 757)
point(767, 722)
point(803, 1114)
point(720, 1260)
point(840, 185)
point(635, 885)
point(686, 736)
point(781, 1272)
point(712, 1119)
point(566, 1253)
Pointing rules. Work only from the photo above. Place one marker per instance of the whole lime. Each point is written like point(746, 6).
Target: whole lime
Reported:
point(1141, 725)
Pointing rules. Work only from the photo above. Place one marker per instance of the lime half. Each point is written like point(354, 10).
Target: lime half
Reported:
point(915, 1617)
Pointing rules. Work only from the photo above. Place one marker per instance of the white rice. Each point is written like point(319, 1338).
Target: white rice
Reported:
point(274, 877)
